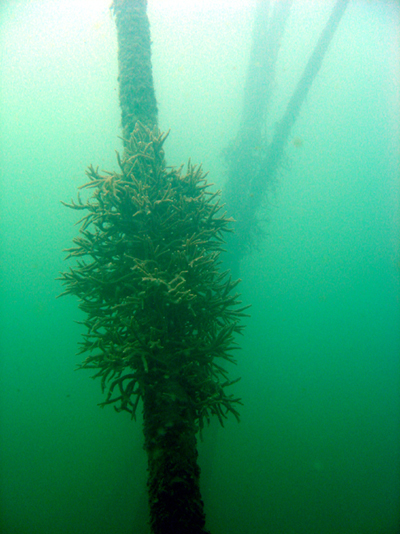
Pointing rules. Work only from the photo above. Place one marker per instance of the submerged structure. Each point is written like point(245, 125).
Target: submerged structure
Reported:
point(161, 317)
point(252, 163)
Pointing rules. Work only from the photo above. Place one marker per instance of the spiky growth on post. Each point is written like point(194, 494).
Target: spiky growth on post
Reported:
point(161, 317)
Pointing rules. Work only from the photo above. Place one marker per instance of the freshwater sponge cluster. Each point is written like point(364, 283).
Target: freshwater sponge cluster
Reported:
point(158, 308)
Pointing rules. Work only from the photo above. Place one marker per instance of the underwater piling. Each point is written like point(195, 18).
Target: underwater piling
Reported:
point(252, 164)
point(161, 317)
point(135, 75)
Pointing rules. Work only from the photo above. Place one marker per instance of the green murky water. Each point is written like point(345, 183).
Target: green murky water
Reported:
point(317, 450)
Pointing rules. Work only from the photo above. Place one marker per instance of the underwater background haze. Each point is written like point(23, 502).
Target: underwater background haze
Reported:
point(317, 449)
